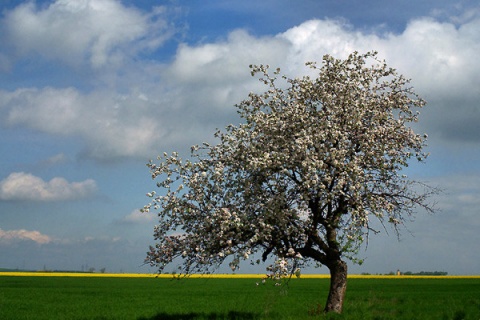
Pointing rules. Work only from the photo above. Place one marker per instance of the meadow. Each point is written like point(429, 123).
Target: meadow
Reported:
point(103, 296)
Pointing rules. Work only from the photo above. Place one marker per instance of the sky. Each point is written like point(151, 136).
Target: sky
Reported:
point(91, 90)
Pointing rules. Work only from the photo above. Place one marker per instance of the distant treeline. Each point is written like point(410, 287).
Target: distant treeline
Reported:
point(91, 270)
point(48, 271)
point(425, 273)
point(410, 273)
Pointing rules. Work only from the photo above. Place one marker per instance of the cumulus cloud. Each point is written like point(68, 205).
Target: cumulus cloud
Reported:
point(180, 103)
point(98, 32)
point(112, 125)
point(22, 234)
point(27, 187)
point(226, 60)
point(440, 57)
point(445, 69)
point(137, 216)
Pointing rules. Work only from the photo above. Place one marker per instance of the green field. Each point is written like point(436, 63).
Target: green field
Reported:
point(27, 297)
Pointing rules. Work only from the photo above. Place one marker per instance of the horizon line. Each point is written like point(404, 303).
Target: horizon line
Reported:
point(220, 276)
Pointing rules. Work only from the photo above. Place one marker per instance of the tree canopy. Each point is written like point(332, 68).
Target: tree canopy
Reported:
point(314, 161)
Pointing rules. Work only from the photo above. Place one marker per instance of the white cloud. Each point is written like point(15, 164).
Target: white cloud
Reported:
point(102, 239)
point(176, 105)
point(312, 39)
point(441, 59)
point(112, 125)
point(25, 186)
point(137, 216)
point(98, 32)
point(226, 61)
point(22, 234)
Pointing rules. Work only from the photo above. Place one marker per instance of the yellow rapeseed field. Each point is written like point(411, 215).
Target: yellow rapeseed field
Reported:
point(232, 276)
point(124, 275)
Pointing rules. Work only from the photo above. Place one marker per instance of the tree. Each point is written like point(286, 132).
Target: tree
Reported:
point(300, 179)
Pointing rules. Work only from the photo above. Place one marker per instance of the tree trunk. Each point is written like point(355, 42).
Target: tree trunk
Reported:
point(338, 286)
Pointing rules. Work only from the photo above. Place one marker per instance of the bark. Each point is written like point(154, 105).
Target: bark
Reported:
point(338, 286)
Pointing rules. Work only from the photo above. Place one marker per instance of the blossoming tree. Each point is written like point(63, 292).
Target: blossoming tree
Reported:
point(313, 163)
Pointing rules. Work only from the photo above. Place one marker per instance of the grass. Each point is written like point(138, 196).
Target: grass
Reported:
point(150, 298)
point(411, 298)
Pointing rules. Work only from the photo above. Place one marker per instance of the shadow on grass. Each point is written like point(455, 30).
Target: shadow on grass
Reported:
point(232, 315)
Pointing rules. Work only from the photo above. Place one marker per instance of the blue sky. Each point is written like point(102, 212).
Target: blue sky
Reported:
point(90, 90)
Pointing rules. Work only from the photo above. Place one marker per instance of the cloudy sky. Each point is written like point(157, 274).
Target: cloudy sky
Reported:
point(90, 90)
